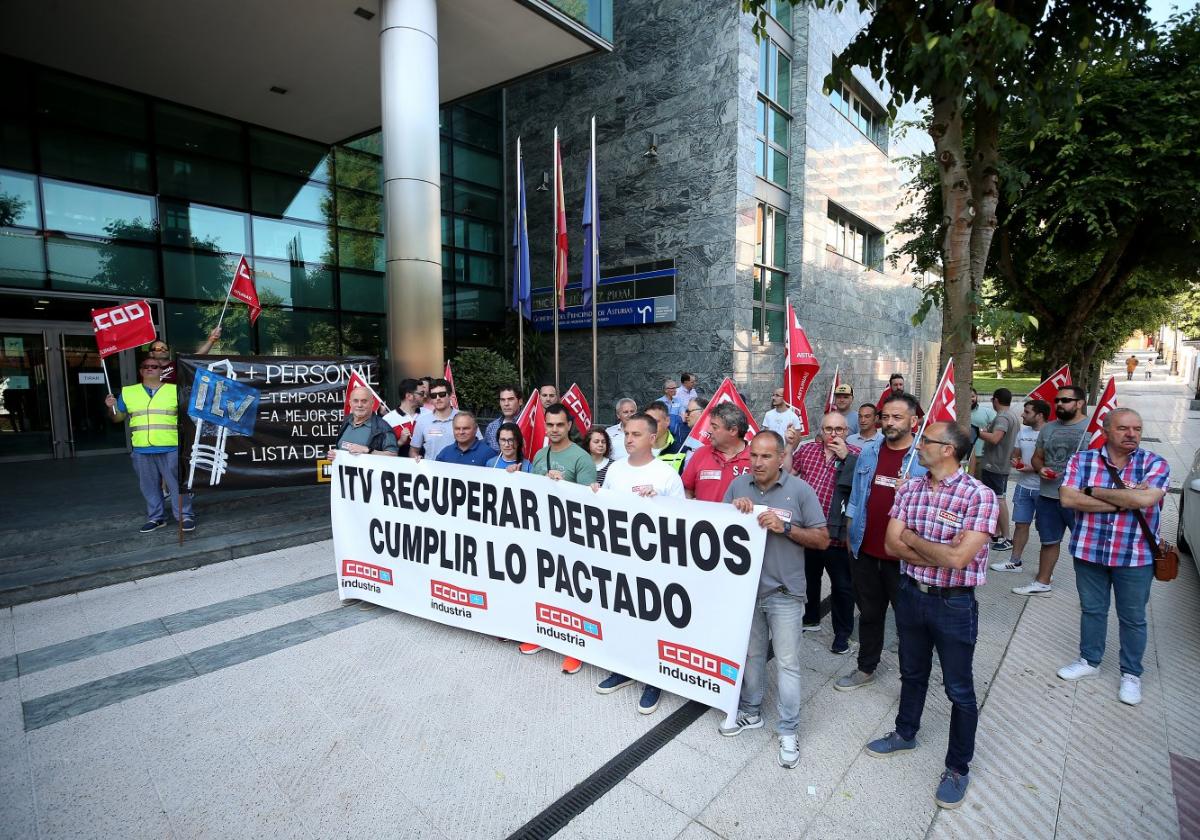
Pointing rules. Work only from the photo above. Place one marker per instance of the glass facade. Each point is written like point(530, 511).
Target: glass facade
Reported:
point(107, 191)
point(770, 274)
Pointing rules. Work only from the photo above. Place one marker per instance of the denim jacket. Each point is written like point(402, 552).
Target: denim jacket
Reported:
point(864, 474)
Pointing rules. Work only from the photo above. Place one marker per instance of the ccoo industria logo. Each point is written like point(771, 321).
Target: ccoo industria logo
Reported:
point(462, 601)
point(675, 660)
point(359, 575)
point(582, 626)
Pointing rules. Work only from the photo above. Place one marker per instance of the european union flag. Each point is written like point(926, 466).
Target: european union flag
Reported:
point(224, 402)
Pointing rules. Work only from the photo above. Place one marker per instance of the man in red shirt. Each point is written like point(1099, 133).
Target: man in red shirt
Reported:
point(713, 466)
point(819, 463)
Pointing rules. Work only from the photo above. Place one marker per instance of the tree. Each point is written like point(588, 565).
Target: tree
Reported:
point(974, 61)
point(1098, 223)
point(479, 374)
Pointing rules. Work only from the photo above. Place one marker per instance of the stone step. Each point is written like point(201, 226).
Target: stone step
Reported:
point(55, 578)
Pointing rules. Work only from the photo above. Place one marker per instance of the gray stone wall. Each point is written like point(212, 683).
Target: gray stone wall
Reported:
point(688, 73)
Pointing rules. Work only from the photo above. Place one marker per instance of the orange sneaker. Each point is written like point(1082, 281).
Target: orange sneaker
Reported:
point(529, 647)
point(571, 665)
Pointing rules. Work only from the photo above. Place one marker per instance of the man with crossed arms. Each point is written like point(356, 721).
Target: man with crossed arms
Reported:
point(940, 528)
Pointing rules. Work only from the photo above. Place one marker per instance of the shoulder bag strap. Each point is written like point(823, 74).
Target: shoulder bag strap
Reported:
point(1155, 551)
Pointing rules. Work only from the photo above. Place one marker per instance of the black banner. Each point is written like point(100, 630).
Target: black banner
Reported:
point(261, 421)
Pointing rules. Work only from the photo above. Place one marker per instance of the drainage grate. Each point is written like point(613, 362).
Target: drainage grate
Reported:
point(1151, 440)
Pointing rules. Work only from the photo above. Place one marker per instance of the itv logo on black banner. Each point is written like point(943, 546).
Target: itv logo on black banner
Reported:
point(365, 576)
point(676, 660)
point(461, 601)
point(581, 625)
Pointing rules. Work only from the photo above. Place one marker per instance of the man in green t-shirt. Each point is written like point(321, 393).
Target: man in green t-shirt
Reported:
point(563, 460)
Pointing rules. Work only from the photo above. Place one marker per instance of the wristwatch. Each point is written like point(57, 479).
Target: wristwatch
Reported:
point(1087, 491)
point(787, 527)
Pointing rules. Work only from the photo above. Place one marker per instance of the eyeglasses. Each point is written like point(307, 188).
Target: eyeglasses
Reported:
point(1066, 399)
point(437, 395)
point(834, 430)
point(692, 410)
point(927, 439)
point(151, 367)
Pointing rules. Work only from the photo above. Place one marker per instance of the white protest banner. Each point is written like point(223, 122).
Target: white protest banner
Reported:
point(661, 590)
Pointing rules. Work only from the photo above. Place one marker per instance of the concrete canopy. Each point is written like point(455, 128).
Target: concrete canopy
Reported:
point(225, 56)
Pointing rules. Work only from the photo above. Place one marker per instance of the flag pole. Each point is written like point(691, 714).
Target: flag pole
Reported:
point(787, 363)
point(228, 292)
point(518, 287)
point(554, 263)
point(595, 268)
point(924, 424)
point(107, 384)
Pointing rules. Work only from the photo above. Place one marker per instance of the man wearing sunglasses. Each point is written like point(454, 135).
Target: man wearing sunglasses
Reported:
point(940, 528)
point(1057, 442)
point(434, 430)
point(152, 410)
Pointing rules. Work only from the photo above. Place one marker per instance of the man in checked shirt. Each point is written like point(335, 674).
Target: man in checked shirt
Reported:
point(1111, 553)
point(941, 525)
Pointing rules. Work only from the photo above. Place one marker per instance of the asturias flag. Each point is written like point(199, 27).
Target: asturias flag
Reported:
point(801, 367)
point(591, 226)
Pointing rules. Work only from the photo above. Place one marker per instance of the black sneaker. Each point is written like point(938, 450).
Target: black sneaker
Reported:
point(152, 525)
point(189, 524)
point(840, 645)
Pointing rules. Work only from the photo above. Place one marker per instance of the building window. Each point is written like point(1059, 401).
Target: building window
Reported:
point(773, 116)
point(770, 274)
point(867, 116)
point(781, 10)
point(853, 238)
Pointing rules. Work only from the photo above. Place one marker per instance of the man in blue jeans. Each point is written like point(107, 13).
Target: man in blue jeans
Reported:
point(940, 528)
point(794, 521)
point(1112, 554)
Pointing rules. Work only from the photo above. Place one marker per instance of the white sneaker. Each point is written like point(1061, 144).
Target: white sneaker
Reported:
point(1078, 670)
point(1131, 690)
point(789, 751)
point(1007, 566)
point(1033, 588)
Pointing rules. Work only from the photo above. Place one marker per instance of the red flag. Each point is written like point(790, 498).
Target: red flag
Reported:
point(122, 327)
point(575, 402)
point(448, 375)
point(400, 422)
point(887, 392)
point(532, 422)
point(243, 289)
point(1049, 389)
point(837, 380)
point(801, 367)
point(357, 381)
point(726, 393)
point(942, 409)
point(1108, 401)
point(560, 228)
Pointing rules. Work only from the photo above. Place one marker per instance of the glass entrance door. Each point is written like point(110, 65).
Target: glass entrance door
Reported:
point(26, 423)
point(89, 425)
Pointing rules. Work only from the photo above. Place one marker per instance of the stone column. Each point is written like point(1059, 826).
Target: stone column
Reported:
point(412, 187)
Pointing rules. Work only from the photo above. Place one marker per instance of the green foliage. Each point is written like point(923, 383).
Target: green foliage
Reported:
point(478, 376)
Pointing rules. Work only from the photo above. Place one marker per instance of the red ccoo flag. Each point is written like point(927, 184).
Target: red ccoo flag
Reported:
point(448, 375)
point(1108, 401)
point(942, 409)
point(1049, 389)
point(243, 289)
point(726, 393)
point(575, 402)
point(560, 229)
point(357, 381)
point(801, 367)
point(532, 422)
point(122, 327)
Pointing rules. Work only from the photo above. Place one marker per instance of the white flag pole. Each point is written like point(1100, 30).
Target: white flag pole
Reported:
point(229, 291)
point(108, 384)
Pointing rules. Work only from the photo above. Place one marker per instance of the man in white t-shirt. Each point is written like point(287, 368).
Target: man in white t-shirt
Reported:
point(1035, 415)
point(626, 407)
point(647, 476)
point(781, 417)
point(640, 472)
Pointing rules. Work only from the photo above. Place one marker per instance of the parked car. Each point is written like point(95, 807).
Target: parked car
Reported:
point(1189, 509)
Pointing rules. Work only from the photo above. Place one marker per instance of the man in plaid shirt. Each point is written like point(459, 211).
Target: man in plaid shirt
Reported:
point(819, 463)
point(940, 528)
point(1111, 552)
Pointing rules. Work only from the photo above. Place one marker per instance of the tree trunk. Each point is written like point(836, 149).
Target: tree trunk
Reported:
point(984, 174)
point(946, 130)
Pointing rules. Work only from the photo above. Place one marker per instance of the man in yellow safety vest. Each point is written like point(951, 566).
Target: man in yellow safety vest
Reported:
point(151, 408)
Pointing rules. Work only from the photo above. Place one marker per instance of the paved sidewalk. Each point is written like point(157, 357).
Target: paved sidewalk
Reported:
point(241, 699)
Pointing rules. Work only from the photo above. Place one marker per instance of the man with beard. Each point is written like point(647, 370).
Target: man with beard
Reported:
point(1057, 442)
point(781, 417)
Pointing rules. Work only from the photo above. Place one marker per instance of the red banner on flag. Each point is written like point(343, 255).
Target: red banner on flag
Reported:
point(560, 228)
point(1108, 401)
point(357, 381)
point(122, 327)
point(942, 409)
point(577, 404)
point(800, 368)
point(448, 375)
point(532, 422)
point(400, 423)
point(243, 289)
point(726, 393)
point(1049, 389)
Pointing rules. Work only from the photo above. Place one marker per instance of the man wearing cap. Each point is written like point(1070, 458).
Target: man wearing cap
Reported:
point(843, 395)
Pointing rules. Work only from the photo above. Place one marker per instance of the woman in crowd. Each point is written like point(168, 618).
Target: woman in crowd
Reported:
point(600, 448)
point(512, 450)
